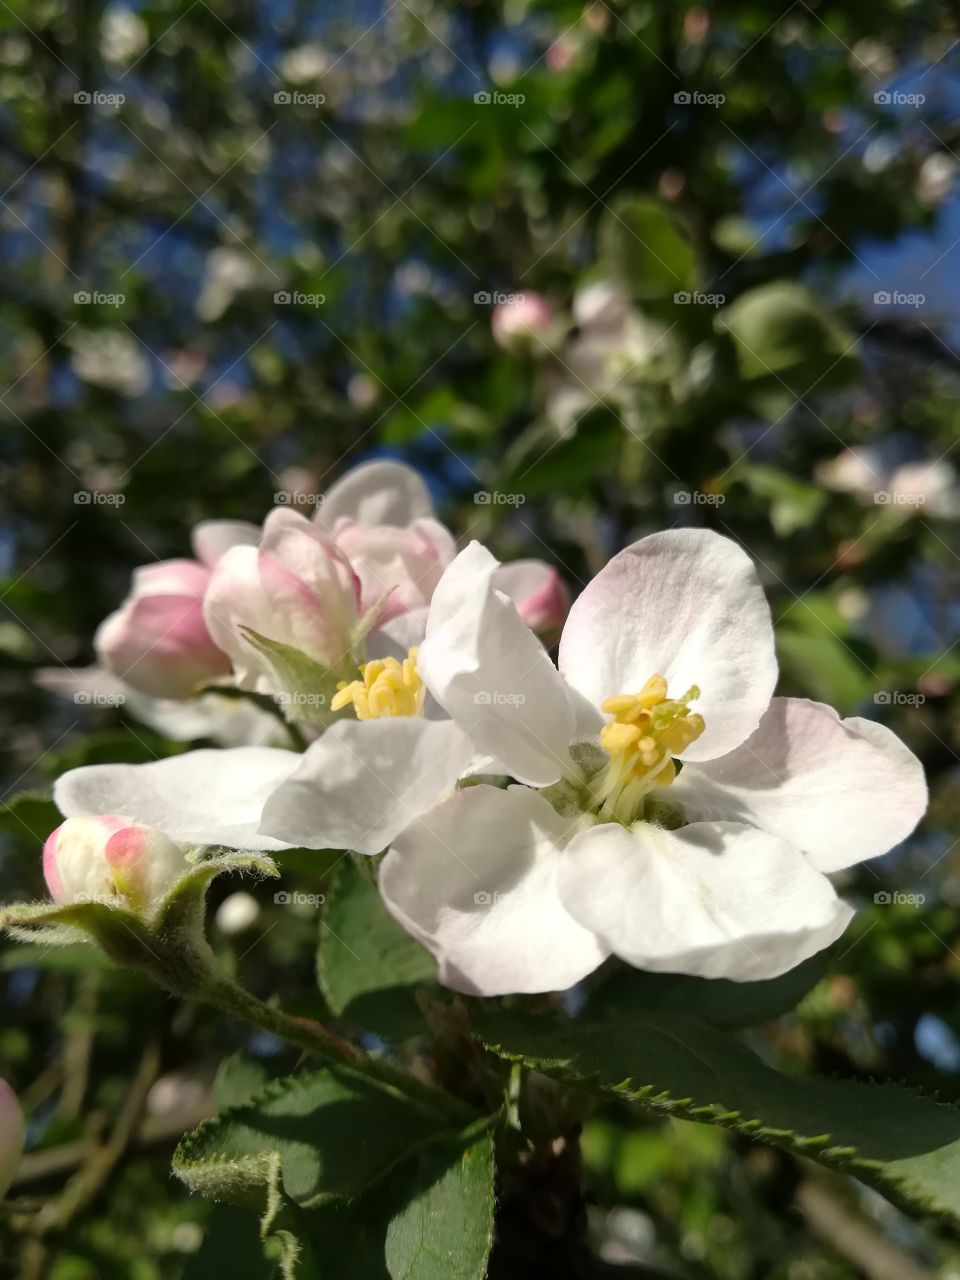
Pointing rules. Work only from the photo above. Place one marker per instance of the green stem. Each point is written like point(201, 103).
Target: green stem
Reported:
point(318, 1039)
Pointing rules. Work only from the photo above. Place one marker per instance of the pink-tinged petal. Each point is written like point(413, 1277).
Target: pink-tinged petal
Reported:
point(491, 674)
point(51, 873)
point(476, 881)
point(713, 899)
point(377, 493)
point(528, 316)
point(212, 539)
point(686, 605)
point(538, 591)
point(840, 790)
point(160, 645)
point(184, 578)
point(400, 566)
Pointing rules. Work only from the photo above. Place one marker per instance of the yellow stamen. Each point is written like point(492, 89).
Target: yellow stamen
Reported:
point(647, 730)
point(388, 687)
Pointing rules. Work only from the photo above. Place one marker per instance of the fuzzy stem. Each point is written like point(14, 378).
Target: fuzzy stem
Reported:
point(316, 1038)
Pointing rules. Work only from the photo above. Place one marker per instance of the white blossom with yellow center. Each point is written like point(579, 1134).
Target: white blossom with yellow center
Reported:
point(669, 810)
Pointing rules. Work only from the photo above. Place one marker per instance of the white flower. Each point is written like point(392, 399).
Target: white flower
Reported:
point(718, 871)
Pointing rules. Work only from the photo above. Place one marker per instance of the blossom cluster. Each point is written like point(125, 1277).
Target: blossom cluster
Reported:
point(645, 796)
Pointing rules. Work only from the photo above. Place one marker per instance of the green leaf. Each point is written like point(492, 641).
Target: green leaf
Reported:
point(640, 241)
point(29, 816)
point(431, 1219)
point(237, 1080)
point(781, 332)
point(904, 1144)
point(231, 1247)
point(628, 992)
point(308, 685)
point(367, 967)
point(310, 1138)
point(794, 504)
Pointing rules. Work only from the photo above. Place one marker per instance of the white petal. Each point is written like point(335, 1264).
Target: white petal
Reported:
point(211, 538)
point(200, 797)
point(476, 881)
point(488, 670)
point(377, 493)
point(686, 605)
point(364, 781)
point(714, 899)
point(840, 790)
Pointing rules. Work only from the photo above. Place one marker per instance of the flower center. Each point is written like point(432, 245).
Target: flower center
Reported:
point(647, 730)
point(388, 688)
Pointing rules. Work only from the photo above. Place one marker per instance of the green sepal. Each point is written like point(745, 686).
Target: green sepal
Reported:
point(307, 686)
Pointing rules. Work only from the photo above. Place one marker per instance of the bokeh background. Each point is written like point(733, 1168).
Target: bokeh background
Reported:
point(246, 245)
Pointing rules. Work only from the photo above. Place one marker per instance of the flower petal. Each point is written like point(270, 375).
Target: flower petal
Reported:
point(377, 493)
point(212, 538)
point(488, 670)
point(363, 782)
point(201, 797)
point(476, 881)
point(714, 899)
point(840, 790)
point(687, 605)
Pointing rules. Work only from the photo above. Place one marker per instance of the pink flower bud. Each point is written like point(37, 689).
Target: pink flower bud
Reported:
point(528, 316)
point(297, 589)
point(11, 1135)
point(538, 591)
point(157, 641)
point(103, 858)
point(399, 566)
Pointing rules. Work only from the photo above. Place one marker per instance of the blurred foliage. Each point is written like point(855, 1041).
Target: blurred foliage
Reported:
point(166, 357)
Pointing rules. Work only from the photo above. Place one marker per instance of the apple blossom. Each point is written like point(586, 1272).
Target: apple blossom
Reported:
point(106, 858)
point(157, 640)
point(524, 317)
point(11, 1135)
point(715, 869)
